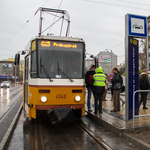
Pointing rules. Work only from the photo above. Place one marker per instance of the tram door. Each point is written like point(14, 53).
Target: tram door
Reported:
point(26, 80)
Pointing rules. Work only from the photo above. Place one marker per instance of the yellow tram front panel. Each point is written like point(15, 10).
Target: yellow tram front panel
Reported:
point(57, 96)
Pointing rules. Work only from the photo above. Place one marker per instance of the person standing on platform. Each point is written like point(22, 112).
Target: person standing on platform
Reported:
point(110, 77)
point(106, 87)
point(117, 82)
point(144, 85)
point(88, 79)
point(98, 88)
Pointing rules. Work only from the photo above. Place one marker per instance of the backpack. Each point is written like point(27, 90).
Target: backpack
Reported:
point(90, 78)
point(143, 84)
point(118, 85)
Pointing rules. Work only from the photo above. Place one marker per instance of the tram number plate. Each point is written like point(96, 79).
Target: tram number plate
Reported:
point(61, 96)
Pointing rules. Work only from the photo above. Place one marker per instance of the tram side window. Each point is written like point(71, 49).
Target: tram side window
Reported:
point(26, 68)
point(33, 65)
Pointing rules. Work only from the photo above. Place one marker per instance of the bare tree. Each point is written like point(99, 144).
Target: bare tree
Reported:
point(142, 53)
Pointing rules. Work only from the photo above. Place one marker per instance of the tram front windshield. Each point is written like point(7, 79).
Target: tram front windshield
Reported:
point(60, 59)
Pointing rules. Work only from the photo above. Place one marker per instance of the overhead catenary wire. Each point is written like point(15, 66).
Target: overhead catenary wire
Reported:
point(132, 2)
point(116, 45)
point(20, 29)
point(45, 2)
point(105, 3)
point(55, 15)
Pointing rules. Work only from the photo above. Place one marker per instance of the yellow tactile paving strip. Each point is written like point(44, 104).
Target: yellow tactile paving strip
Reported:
point(141, 121)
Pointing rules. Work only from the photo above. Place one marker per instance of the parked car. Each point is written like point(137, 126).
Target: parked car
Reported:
point(5, 84)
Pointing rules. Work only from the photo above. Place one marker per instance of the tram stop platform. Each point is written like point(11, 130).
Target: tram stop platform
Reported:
point(115, 121)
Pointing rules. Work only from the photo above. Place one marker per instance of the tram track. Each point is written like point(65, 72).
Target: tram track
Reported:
point(55, 137)
point(39, 134)
point(38, 143)
point(100, 142)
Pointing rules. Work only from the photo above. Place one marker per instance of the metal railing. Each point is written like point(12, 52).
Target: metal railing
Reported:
point(135, 116)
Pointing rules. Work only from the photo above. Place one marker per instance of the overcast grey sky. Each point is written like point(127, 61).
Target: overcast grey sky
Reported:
point(101, 23)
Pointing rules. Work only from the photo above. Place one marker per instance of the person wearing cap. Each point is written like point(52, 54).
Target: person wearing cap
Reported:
point(88, 79)
point(98, 88)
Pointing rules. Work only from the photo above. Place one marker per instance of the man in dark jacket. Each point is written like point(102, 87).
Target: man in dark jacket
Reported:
point(144, 86)
point(98, 88)
point(117, 82)
point(88, 79)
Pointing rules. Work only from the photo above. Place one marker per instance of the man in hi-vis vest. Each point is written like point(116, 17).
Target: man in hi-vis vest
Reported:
point(98, 88)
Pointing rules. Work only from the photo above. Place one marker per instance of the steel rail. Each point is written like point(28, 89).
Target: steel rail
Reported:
point(103, 144)
point(39, 145)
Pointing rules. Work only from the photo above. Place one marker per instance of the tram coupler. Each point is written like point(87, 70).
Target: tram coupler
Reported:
point(61, 115)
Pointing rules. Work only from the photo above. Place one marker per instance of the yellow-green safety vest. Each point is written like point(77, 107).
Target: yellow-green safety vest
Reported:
point(99, 79)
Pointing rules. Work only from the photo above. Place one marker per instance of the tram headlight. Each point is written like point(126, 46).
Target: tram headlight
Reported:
point(43, 99)
point(77, 98)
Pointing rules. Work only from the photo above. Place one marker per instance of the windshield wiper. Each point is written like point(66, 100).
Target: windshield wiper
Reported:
point(47, 74)
point(63, 72)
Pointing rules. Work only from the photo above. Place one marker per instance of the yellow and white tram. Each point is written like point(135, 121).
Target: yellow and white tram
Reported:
point(54, 75)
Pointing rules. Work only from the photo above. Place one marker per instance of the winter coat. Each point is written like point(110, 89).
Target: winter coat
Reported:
point(116, 78)
point(143, 74)
point(98, 81)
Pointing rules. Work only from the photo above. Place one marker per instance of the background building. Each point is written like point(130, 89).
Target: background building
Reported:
point(7, 70)
point(107, 60)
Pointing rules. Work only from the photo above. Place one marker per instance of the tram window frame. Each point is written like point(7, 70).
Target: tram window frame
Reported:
point(26, 68)
point(34, 72)
point(82, 57)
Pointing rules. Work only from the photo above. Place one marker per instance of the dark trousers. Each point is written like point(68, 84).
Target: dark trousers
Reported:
point(98, 99)
point(89, 98)
point(116, 94)
point(143, 98)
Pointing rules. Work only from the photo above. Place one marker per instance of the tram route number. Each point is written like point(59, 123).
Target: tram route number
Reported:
point(61, 96)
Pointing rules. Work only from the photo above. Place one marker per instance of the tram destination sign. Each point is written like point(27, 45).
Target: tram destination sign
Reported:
point(58, 44)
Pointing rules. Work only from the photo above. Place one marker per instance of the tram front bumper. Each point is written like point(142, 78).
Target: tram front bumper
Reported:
point(47, 107)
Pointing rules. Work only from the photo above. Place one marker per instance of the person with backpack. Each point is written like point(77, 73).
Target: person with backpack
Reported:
point(88, 79)
point(117, 82)
point(98, 88)
point(144, 85)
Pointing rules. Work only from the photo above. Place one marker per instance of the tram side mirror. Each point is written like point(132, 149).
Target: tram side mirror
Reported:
point(17, 59)
point(23, 53)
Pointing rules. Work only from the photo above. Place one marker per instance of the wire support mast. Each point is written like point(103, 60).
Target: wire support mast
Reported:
point(65, 16)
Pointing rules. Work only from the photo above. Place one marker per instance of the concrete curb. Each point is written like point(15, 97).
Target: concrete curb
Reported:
point(123, 133)
point(143, 145)
point(110, 127)
point(7, 136)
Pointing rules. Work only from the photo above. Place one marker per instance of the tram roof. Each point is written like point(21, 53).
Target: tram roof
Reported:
point(60, 38)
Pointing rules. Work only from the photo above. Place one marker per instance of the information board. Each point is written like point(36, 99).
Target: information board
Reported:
point(105, 58)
